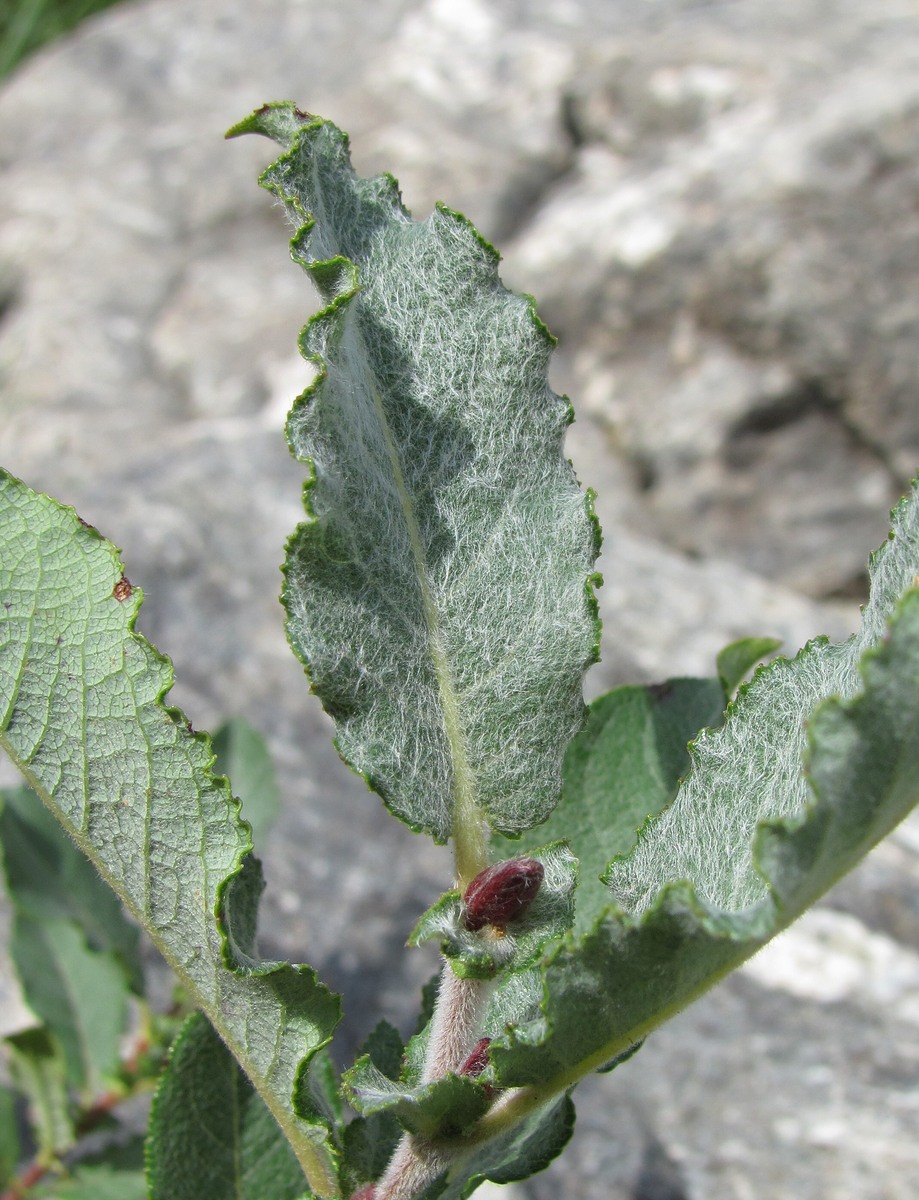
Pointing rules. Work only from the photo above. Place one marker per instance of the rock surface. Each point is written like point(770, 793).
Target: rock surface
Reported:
point(716, 206)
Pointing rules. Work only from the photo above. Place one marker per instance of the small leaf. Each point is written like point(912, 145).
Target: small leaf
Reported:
point(48, 876)
point(210, 1135)
point(439, 593)
point(523, 1151)
point(320, 1099)
point(739, 658)
point(243, 756)
point(385, 1049)
point(622, 768)
point(445, 1107)
point(752, 767)
point(38, 1070)
point(80, 994)
point(484, 953)
point(369, 1142)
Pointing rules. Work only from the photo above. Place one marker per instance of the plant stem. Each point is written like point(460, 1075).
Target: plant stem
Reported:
point(455, 1028)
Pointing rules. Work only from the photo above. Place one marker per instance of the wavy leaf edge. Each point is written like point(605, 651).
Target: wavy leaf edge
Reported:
point(337, 279)
point(314, 1150)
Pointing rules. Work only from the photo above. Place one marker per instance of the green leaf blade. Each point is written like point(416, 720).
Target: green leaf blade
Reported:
point(243, 756)
point(210, 1135)
point(85, 723)
point(440, 593)
point(49, 878)
point(737, 659)
point(622, 768)
point(449, 1105)
point(630, 972)
point(753, 764)
point(38, 1071)
point(80, 994)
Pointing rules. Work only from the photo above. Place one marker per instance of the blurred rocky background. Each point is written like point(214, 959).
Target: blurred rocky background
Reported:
point(717, 206)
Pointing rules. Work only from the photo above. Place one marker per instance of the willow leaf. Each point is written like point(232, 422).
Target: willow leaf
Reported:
point(439, 593)
point(82, 716)
point(210, 1135)
point(750, 769)
point(741, 853)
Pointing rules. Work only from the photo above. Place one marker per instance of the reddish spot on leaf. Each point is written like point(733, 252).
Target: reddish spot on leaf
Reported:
point(122, 590)
point(502, 892)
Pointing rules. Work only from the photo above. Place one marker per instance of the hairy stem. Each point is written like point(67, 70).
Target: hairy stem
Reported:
point(455, 1029)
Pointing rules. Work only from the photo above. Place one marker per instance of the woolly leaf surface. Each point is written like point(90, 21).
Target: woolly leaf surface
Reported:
point(439, 593)
point(449, 1105)
point(210, 1135)
point(81, 715)
point(622, 768)
point(604, 992)
point(750, 770)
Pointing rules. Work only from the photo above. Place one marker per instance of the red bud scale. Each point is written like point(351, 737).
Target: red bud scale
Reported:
point(502, 892)
point(477, 1060)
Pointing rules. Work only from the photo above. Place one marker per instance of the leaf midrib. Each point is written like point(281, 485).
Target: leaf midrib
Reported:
point(470, 847)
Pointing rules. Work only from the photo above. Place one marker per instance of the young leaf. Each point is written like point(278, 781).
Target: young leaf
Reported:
point(80, 994)
point(369, 1141)
point(622, 768)
point(210, 1136)
point(48, 877)
point(439, 593)
point(38, 1071)
point(447, 1106)
point(737, 659)
point(81, 715)
point(751, 767)
point(243, 756)
point(631, 972)
point(517, 1154)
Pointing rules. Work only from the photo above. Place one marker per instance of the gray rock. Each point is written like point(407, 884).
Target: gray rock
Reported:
point(715, 206)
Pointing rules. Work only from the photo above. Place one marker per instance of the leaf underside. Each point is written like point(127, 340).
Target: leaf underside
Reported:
point(440, 592)
point(750, 840)
point(82, 716)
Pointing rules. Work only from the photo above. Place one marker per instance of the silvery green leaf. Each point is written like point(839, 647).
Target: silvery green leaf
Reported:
point(82, 716)
point(439, 591)
point(817, 760)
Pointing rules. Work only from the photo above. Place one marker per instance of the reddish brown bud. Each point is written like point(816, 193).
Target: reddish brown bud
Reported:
point(367, 1192)
point(477, 1060)
point(502, 892)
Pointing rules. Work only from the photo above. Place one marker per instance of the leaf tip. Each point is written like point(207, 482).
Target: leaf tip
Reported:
point(280, 120)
